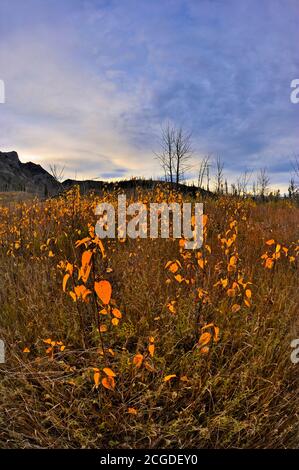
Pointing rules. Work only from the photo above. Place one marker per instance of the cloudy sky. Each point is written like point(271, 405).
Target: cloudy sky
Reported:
point(90, 82)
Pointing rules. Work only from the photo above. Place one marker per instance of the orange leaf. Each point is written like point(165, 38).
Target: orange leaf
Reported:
point(179, 278)
point(86, 257)
point(73, 296)
point(231, 292)
point(81, 242)
point(204, 339)
point(116, 313)
point(233, 260)
point(69, 268)
point(108, 382)
point(81, 292)
point(115, 321)
point(201, 263)
point(103, 328)
point(96, 377)
point(270, 242)
point(103, 290)
point(216, 334)
point(151, 349)
point(184, 378)
point(137, 360)
point(169, 377)
point(235, 308)
point(132, 411)
point(248, 293)
point(64, 282)
point(269, 263)
point(109, 372)
point(182, 243)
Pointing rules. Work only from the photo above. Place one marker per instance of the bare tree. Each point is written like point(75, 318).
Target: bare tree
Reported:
point(208, 177)
point(296, 172)
point(57, 173)
point(294, 181)
point(263, 181)
point(219, 174)
point(167, 154)
point(183, 152)
point(292, 188)
point(242, 183)
point(226, 186)
point(176, 151)
point(203, 171)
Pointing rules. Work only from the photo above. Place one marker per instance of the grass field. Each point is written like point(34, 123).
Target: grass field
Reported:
point(141, 343)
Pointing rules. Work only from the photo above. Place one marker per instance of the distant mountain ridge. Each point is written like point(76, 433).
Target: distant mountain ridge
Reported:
point(29, 177)
point(33, 178)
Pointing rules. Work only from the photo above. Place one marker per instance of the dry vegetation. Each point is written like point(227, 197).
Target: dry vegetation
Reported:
point(141, 343)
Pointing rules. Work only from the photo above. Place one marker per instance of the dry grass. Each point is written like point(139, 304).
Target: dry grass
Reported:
point(241, 392)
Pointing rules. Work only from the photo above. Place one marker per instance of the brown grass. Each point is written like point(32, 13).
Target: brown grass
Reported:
point(242, 393)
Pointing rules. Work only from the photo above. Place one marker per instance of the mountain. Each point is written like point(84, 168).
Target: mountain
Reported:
point(32, 178)
point(29, 177)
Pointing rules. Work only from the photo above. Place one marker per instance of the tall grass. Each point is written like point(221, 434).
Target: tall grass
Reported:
point(233, 387)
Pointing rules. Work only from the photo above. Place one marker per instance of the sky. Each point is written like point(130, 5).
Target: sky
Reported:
point(89, 83)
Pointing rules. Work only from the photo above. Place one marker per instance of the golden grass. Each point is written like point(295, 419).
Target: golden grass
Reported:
point(238, 390)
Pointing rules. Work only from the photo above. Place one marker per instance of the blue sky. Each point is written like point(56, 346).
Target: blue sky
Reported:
point(89, 83)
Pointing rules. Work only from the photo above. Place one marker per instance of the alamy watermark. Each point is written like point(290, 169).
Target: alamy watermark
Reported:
point(295, 352)
point(2, 352)
point(294, 97)
point(2, 92)
point(163, 221)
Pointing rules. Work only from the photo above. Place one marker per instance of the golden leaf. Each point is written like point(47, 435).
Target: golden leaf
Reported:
point(216, 334)
point(103, 290)
point(137, 360)
point(236, 308)
point(64, 282)
point(231, 292)
point(269, 263)
point(184, 378)
point(108, 382)
point(96, 377)
point(86, 257)
point(151, 349)
point(169, 377)
point(81, 242)
point(173, 268)
point(116, 313)
point(204, 339)
point(109, 372)
point(179, 278)
point(248, 293)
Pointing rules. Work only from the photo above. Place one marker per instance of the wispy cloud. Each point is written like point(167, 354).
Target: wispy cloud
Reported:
point(89, 83)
